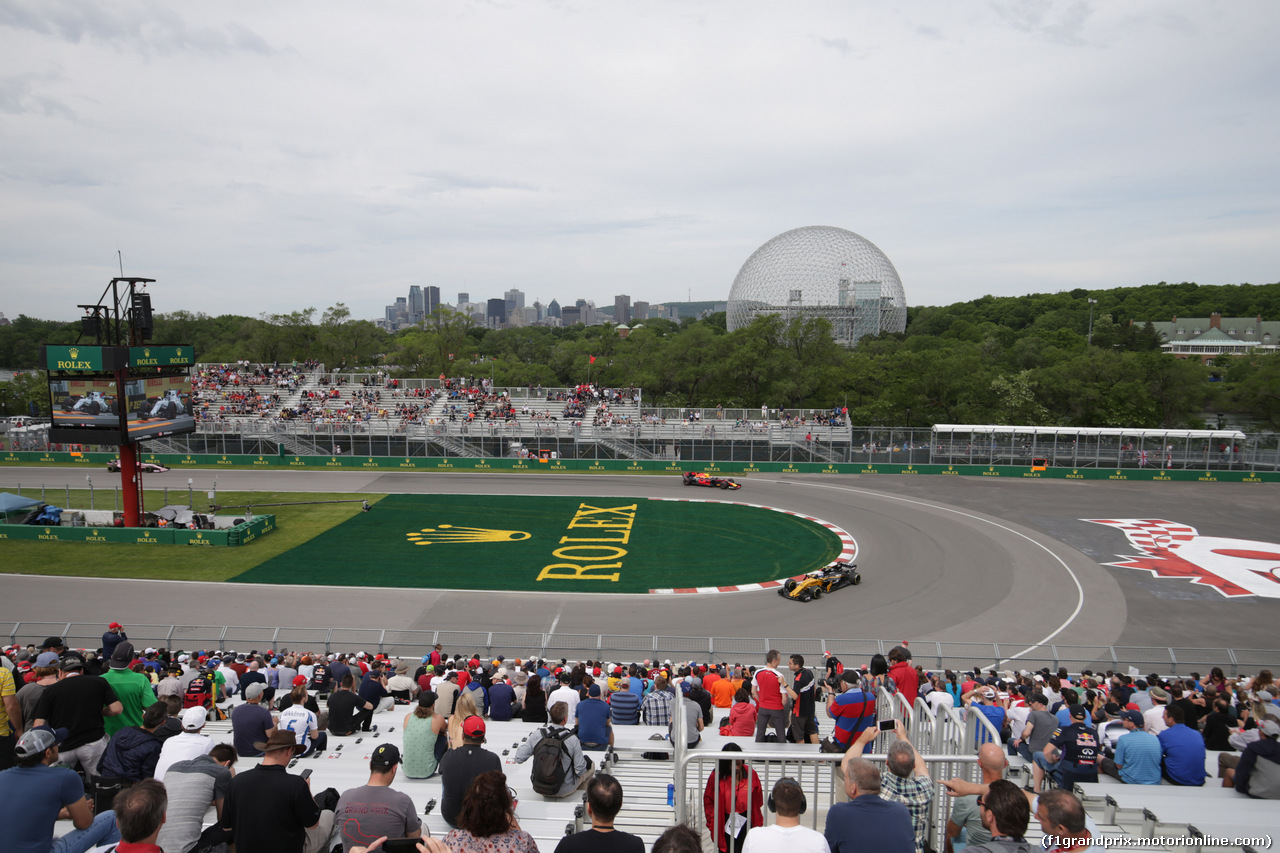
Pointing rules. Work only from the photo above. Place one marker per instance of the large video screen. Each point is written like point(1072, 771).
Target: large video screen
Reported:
point(152, 406)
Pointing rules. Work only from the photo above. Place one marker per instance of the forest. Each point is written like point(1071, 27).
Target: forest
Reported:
point(1006, 360)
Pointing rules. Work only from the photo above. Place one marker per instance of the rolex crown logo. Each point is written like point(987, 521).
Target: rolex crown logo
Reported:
point(147, 352)
point(75, 353)
point(447, 533)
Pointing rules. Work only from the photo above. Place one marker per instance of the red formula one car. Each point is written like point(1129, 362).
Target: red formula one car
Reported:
point(147, 467)
point(697, 478)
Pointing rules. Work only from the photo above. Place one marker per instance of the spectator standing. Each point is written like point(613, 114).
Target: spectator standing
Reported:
point(194, 785)
point(903, 674)
point(733, 802)
point(11, 718)
point(867, 823)
point(804, 719)
point(462, 765)
point(78, 703)
point(853, 710)
point(113, 637)
point(786, 835)
point(767, 687)
point(36, 790)
point(375, 809)
point(46, 674)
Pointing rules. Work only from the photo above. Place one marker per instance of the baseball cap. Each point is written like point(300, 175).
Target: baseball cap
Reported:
point(1134, 717)
point(50, 642)
point(1077, 712)
point(1269, 728)
point(685, 687)
point(193, 719)
point(253, 691)
point(427, 698)
point(36, 740)
point(123, 655)
point(70, 662)
point(473, 727)
point(987, 693)
point(299, 680)
point(114, 625)
point(47, 659)
point(426, 658)
point(594, 690)
point(385, 757)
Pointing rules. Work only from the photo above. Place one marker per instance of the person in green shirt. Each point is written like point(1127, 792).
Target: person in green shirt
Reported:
point(133, 689)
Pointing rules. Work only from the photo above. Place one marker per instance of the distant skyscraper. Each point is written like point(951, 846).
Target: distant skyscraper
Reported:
point(622, 309)
point(515, 301)
point(431, 300)
point(570, 316)
point(553, 309)
point(464, 298)
point(497, 313)
point(640, 312)
point(416, 312)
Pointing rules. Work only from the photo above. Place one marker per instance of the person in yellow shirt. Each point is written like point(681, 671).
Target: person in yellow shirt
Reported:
point(10, 718)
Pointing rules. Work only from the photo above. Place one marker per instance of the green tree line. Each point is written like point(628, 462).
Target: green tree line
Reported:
point(1011, 360)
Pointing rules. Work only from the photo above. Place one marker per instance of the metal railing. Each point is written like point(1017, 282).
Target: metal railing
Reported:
point(932, 655)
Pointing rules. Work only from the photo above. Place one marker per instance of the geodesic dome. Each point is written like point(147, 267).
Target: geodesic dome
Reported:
point(821, 271)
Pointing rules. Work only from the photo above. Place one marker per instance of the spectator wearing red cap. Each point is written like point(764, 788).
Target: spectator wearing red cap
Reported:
point(113, 637)
point(463, 764)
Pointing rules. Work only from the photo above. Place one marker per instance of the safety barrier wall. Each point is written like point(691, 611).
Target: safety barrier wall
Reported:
point(240, 534)
point(641, 466)
point(932, 655)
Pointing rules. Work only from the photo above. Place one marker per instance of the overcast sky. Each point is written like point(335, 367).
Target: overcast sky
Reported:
point(266, 157)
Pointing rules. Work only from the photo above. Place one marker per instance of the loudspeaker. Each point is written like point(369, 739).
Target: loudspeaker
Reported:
point(787, 780)
point(140, 316)
point(90, 326)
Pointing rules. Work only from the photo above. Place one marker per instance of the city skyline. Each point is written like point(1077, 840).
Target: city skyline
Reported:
point(255, 160)
point(511, 311)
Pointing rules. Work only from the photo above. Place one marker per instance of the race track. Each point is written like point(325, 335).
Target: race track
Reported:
point(958, 559)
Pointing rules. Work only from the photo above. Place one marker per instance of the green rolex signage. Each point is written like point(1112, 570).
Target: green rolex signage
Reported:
point(161, 356)
point(74, 358)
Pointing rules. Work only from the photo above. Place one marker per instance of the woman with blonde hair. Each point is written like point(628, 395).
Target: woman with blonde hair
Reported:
point(466, 707)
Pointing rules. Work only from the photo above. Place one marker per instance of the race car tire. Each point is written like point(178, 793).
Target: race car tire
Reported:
point(688, 482)
point(857, 579)
point(724, 485)
point(790, 585)
point(806, 596)
point(817, 593)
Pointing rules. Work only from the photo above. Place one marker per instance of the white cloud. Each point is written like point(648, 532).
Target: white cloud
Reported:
point(268, 157)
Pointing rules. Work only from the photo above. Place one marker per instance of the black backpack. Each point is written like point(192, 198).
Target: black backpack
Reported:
point(548, 768)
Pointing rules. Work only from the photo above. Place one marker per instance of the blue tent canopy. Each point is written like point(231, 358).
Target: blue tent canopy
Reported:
point(12, 503)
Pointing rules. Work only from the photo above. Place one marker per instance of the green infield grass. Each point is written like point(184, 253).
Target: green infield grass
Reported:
point(553, 544)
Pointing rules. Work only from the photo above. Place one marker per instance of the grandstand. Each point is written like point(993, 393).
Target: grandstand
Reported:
point(1123, 815)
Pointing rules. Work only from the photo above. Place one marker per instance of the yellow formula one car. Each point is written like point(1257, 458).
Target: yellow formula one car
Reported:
point(819, 583)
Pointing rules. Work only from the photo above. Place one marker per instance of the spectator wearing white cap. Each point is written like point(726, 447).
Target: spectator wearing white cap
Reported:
point(190, 744)
point(37, 789)
point(1154, 716)
point(985, 701)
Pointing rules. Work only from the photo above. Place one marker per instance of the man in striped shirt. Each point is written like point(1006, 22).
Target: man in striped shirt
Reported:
point(625, 704)
point(853, 710)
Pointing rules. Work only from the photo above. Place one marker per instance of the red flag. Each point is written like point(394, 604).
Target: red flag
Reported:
point(591, 359)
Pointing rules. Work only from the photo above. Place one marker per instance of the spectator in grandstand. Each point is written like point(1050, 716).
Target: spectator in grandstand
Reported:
point(566, 694)
point(465, 708)
point(401, 687)
point(624, 705)
point(854, 710)
point(534, 709)
point(802, 691)
point(692, 717)
point(252, 675)
point(905, 778)
point(78, 703)
point(966, 813)
point(984, 700)
point(867, 823)
point(298, 694)
point(767, 687)
point(722, 689)
point(462, 765)
point(113, 637)
point(655, 709)
point(302, 721)
point(189, 744)
point(425, 737)
point(787, 801)
point(502, 698)
point(1137, 760)
point(375, 809)
point(678, 839)
point(194, 785)
point(1154, 716)
point(140, 812)
point(1071, 755)
point(373, 688)
point(37, 789)
point(44, 674)
point(171, 683)
point(251, 723)
point(604, 800)
point(576, 767)
point(1182, 749)
point(269, 810)
point(132, 753)
point(733, 796)
point(487, 820)
point(1062, 819)
point(1218, 724)
point(11, 717)
point(348, 713)
point(1005, 815)
point(903, 674)
point(1039, 727)
point(1257, 772)
point(595, 721)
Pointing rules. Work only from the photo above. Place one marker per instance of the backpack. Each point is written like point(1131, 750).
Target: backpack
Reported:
point(548, 768)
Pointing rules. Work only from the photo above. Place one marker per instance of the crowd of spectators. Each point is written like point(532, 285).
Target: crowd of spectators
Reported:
point(124, 716)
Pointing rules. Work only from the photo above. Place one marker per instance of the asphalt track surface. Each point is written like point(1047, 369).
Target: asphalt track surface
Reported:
point(956, 559)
